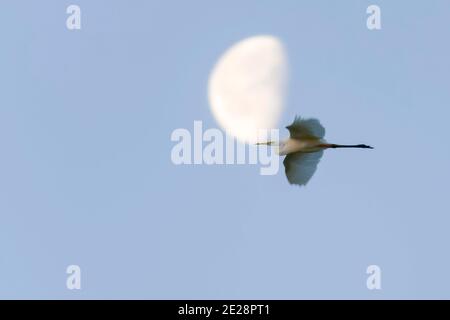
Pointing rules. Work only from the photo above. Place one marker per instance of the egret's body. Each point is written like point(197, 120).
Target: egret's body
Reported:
point(304, 148)
point(290, 145)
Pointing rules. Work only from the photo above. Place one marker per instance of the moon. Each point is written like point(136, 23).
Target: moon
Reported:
point(246, 88)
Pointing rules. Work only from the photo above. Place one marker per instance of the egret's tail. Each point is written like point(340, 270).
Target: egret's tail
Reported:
point(363, 146)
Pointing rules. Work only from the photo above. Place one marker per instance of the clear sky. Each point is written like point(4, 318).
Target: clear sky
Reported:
point(86, 176)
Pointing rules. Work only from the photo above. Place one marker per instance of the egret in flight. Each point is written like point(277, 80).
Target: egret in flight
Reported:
point(304, 148)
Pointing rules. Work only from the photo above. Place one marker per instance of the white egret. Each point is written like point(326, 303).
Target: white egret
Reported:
point(304, 148)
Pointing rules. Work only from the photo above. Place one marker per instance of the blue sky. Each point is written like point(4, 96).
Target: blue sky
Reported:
point(86, 176)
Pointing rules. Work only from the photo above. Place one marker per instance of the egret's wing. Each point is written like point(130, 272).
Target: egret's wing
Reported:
point(306, 128)
point(300, 166)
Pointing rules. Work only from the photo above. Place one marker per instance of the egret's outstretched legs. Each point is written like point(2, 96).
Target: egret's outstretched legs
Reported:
point(363, 146)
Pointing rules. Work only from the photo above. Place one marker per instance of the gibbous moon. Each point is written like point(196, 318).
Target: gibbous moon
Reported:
point(247, 87)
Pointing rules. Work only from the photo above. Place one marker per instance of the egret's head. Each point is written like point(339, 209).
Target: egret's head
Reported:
point(280, 148)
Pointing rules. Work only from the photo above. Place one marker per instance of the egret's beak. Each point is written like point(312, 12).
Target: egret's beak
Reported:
point(268, 143)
